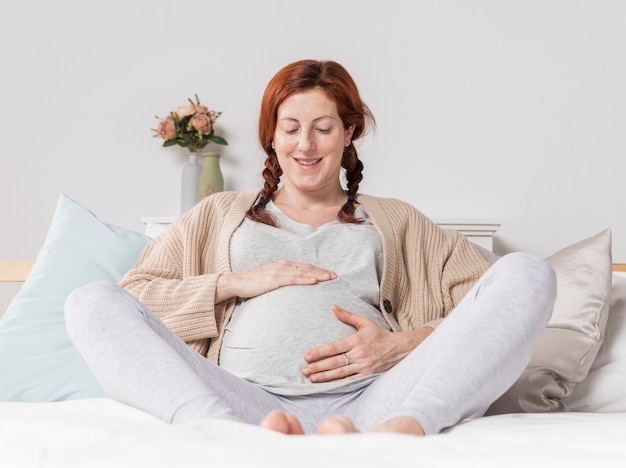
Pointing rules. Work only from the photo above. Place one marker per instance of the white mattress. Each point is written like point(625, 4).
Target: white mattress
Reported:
point(102, 432)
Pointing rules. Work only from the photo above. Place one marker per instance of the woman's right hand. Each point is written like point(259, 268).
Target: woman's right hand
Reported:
point(252, 283)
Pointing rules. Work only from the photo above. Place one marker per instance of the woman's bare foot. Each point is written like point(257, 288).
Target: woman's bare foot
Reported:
point(344, 425)
point(401, 424)
point(280, 421)
point(336, 425)
point(286, 423)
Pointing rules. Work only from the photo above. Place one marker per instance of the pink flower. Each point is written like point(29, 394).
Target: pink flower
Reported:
point(200, 109)
point(167, 128)
point(190, 126)
point(202, 123)
point(184, 111)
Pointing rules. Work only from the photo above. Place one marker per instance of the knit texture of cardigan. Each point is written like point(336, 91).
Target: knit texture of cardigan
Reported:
point(427, 270)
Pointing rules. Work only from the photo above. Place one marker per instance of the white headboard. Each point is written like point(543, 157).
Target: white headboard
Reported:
point(480, 231)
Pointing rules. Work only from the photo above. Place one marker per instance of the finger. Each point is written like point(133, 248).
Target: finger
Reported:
point(307, 270)
point(333, 362)
point(333, 368)
point(339, 373)
point(286, 273)
point(357, 321)
point(321, 274)
point(327, 351)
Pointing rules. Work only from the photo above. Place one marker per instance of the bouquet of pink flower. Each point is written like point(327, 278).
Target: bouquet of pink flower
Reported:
point(190, 126)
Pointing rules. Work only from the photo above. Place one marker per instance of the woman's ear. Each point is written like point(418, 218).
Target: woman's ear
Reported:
point(349, 133)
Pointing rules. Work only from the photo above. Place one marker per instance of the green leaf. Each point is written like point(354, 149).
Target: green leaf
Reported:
point(167, 143)
point(219, 140)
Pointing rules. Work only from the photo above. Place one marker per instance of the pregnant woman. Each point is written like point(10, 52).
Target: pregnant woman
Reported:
point(307, 306)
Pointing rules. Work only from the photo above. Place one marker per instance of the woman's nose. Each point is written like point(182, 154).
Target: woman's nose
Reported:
point(306, 142)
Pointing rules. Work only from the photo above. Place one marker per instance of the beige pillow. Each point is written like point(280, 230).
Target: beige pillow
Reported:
point(603, 390)
point(566, 349)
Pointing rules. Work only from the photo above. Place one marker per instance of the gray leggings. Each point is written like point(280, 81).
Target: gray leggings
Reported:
point(471, 359)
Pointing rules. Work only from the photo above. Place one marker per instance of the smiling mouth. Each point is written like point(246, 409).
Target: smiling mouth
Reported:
point(308, 162)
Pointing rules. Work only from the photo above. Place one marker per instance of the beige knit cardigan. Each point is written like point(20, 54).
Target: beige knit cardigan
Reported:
point(427, 270)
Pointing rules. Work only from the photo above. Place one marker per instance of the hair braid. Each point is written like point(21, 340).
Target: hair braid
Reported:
point(271, 175)
point(354, 175)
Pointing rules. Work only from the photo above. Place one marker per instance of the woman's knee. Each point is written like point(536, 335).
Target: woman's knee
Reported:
point(534, 277)
point(83, 304)
point(529, 268)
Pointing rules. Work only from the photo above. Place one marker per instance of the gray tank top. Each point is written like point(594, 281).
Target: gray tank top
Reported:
point(268, 335)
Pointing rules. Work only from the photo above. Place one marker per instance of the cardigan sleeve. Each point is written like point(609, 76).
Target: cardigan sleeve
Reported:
point(174, 281)
point(462, 268)
point(452, 266)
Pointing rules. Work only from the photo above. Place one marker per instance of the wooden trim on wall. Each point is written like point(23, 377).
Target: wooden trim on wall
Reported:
point(619, 267)
point(15, 272)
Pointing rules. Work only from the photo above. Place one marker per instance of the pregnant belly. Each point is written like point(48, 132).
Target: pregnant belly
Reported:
point(267, 336)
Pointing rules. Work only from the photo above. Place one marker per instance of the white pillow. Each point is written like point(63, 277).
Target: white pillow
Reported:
point(565, 351)
point(604, 389)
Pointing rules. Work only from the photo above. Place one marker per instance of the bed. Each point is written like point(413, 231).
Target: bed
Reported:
point(569, 406)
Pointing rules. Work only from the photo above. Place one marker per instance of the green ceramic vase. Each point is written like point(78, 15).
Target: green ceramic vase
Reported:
point(211, 178)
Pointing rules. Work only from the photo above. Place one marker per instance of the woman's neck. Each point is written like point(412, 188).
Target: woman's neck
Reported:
point(310, 201)
point(309, 208)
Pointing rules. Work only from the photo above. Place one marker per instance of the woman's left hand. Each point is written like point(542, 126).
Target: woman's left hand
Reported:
point(370, 350)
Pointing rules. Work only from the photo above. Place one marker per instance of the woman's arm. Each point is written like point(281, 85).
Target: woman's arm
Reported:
point(184, 300)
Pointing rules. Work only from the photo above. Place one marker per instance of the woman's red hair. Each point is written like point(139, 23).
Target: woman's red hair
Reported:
point(337, 83)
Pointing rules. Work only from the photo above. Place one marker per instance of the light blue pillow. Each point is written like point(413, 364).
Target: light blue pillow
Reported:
point(37, 360)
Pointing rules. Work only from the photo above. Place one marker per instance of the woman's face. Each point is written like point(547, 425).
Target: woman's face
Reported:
point(309, 141)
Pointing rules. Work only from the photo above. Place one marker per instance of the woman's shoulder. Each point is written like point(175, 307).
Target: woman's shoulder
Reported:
point(391, 206)
point(225, 201)
point(221, 198)
point(217, 206)
point(403, 218)
point(408, 223)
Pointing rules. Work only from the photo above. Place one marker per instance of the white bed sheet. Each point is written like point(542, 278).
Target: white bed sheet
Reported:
point(105, 433)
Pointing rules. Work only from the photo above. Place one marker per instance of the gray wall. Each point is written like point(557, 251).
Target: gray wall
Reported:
point(506, 110)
